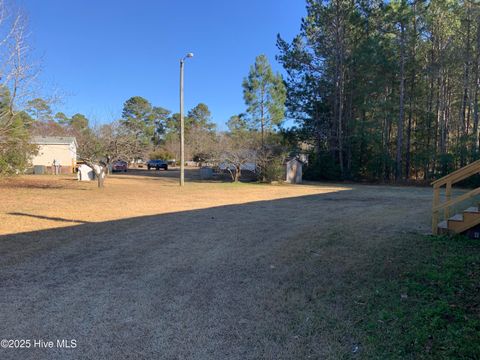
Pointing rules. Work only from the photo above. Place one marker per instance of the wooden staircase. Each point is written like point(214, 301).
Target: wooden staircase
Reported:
point(468, 218)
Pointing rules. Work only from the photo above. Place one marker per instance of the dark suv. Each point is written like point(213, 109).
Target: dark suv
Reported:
point(157, 165)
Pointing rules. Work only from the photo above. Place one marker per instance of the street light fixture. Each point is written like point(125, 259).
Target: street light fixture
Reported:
point(182, 125)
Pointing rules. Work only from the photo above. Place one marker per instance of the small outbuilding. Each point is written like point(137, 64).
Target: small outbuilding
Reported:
point(60, 151)
point(293, 169)
point(85, 173)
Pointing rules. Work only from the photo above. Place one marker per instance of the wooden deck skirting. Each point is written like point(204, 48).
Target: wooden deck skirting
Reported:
point(447, 181)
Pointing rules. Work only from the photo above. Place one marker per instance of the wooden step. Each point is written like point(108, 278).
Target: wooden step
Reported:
point(443, 224)
point(455, 218)
point(461, 222)
point(443, 228)
point(455, 223)
point(471, 214)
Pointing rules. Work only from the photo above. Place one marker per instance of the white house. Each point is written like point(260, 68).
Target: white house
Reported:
point(61, 149)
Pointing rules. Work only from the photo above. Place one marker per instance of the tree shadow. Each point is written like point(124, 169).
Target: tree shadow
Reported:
point(48, 217)
point(31, 184)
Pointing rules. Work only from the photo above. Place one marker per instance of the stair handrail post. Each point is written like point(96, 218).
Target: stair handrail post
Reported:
point(436, 202)
point(448, 196)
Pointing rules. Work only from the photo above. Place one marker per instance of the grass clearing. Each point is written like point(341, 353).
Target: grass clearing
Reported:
point(234, 270)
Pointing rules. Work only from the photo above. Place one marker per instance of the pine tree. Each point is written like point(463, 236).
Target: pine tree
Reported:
point(264, 94)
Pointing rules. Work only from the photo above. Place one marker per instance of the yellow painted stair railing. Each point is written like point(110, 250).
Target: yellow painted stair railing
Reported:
point(447, 181)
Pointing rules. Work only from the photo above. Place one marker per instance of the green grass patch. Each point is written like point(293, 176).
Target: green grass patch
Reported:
point(428, 307)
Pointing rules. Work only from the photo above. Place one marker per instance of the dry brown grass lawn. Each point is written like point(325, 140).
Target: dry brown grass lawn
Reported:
point(30, 203)
point(209, 271)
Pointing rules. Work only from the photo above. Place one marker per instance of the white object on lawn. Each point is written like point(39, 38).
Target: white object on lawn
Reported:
point(85, 173)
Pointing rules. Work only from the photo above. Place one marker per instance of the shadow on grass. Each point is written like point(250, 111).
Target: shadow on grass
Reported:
point(31, 184)
point(48, 218)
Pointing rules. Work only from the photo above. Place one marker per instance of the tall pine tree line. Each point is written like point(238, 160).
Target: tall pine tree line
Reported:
point(386, 90)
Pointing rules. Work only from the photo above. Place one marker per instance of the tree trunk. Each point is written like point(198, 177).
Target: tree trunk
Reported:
point(407, 145)
point(340, 72)
point(238, 173)
point(100, 178)
point(262, 117)
point(466, 74)
point(429, 133)
point(100, 174)
point(475, 97)
point(385, 137)
point(411, 95)
point(398, 172)
point(441, 114)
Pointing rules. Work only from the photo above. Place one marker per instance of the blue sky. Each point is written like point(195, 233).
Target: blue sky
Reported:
point(102, 52)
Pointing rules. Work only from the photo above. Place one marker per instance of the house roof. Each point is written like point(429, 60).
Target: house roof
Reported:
point(54, 140)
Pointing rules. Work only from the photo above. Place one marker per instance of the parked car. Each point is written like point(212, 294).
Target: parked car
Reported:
point(157, 165)
point(120, 165)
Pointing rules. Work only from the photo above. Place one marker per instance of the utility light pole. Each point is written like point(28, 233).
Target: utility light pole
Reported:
point(182, 125)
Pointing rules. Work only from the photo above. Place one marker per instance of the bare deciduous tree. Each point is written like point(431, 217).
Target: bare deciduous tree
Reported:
point(99, 147)
point(234, 152)
point(17, 72)
point(17, 69)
